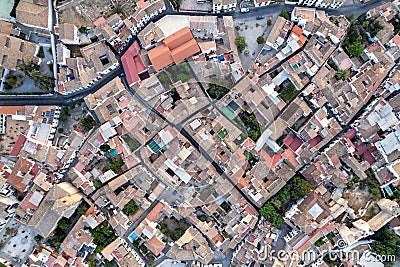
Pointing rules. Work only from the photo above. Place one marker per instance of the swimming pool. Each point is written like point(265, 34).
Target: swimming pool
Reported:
point(132, 237)
point(388, 190)
point(113, 153)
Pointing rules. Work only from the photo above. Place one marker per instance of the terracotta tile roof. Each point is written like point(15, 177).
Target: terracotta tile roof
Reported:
point(155, 212)
point(5, 27)
point(18, 145)
point(160, 57)
point(184, 51)
point(155, 245)
point(132, 63)
point(16, 179)
point(32, 14)
point(177, 39)
point(175, 48)
point(11, 110)
point(297, 30)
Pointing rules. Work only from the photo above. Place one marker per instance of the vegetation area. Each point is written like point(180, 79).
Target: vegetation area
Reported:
point(353, 42)
point(13, 81)
point(217, 91)
point(60, 233)
point(341, 75)
point(270, 214)
point(173, 229)
point(294, 190)
point(82, 29)
point(288, 92)
point(250, 158)
point(103, 235)
point(88, 122)
point(285, 14)
point(132, 143)
point(387, 242)
point(319, 242)
point(116, 10)
point(240, 43)
point(174, 73)
point(251, 124)
point(260, 40)
point(115, 165)
point(372, 184)
point(130, 208)
point(41, 80)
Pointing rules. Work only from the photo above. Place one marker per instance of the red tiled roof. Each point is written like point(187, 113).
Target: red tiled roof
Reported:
point(313, 142)
point(155, 211)
point(132, 63)
point(18, 145)
point(297, 30)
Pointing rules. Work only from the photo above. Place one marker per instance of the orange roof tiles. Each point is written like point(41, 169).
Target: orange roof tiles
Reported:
point(155, 245)
point(11, 110)
point(160, 57)
point(177, 39)
point(270, 161)
point(155, 211)
point(297, 30)
point(175, 48)
point(184, 51)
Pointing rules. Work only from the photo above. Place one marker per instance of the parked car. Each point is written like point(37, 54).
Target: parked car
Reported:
point(244, 9)
point(259, 17)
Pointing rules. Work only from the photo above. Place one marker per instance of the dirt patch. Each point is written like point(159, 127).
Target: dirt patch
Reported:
point(71, 15)
point(357, 199)
point(13, 129)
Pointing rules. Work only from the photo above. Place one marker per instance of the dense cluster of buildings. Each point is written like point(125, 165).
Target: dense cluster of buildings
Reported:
point(178, 154)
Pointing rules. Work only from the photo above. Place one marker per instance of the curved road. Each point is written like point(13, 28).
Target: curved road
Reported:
point(59, 99)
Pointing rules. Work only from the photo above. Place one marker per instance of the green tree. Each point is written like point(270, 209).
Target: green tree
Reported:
point(341, 75)
point(285, 14)
point(300, 187)
point(270, 214)
point(37, 238)
point(88, 122)
point(240, 43)
point(269, 22)
point(130, 208)
point(103, 235)
point(63, 117)
point(355, 49)
point(217, 91)
point(63, 224)
point(41, 80)
point(60, 130)
point(260, 40)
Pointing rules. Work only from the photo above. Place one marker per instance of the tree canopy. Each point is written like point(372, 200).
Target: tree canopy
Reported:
point(41, 80)
point(130, 208)
point(240, 43)
point(355, 49)
point(269, 213)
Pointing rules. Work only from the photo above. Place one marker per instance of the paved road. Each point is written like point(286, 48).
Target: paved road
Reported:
point(57, 99)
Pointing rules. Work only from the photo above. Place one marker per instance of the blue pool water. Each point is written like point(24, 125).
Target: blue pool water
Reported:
point(388, 190)
point(113, 153)
point(132, 237)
